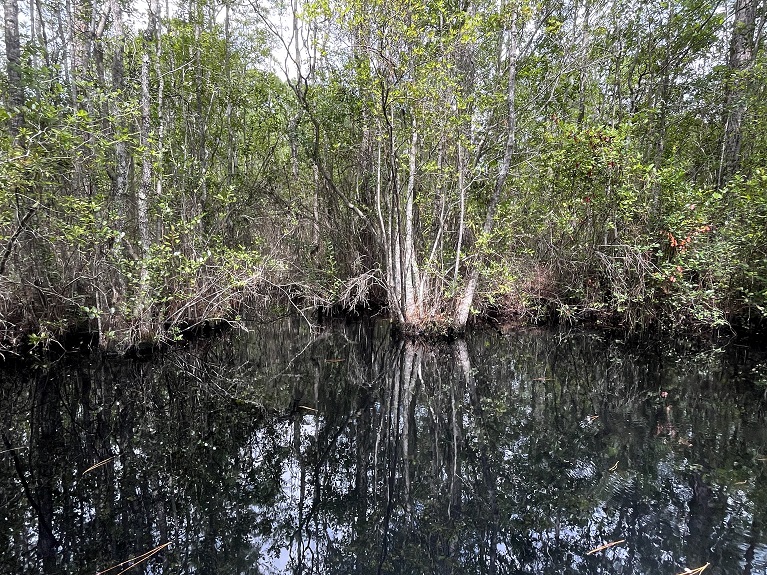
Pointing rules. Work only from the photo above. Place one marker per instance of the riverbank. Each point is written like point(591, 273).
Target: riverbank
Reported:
point(505, 313)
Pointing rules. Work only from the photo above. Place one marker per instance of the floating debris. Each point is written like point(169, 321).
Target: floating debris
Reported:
point(99, 464)
point(606, 545)
point(694, 571)
point(135, 560)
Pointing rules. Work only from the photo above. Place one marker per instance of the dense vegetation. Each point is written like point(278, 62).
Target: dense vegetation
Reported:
point(576, 159)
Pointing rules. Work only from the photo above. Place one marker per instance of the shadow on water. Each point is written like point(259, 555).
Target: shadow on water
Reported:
point(281, 451)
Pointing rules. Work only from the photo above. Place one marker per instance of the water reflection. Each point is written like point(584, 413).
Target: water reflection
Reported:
point(279, 451)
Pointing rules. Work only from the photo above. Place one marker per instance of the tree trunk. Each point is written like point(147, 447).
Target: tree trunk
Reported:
point(463, 308)
point(410, 280)
point(740, 58)
point(160, 95)
point(122, 158)
point(145, 188)
point(13, 64)
point(142, 197)
point(465, 64)
point(583, 35)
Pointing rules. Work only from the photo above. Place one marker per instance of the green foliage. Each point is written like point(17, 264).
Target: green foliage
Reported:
point(617, 203)
point(645, 242)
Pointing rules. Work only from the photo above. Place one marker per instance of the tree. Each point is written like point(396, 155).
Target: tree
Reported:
point(433, 89)
point(15, 97)
point(741, 56)
point(436, 158)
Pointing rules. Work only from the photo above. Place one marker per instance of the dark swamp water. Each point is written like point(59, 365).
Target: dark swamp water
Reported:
point(281, 452)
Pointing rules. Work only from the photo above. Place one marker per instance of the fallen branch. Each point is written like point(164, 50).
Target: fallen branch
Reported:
point(135, 560)
point(694, 571)
point(605, 546)
point(99, 464)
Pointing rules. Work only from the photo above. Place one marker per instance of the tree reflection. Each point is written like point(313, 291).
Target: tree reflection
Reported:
point(354, 453)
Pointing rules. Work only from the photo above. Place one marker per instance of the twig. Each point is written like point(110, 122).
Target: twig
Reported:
point(694, 571)
point(14, 237)
point(135, 560)
point(605, 546)
point(99, 464)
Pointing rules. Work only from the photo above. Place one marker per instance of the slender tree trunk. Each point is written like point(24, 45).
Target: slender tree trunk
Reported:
point(201, 116)
point(465, 64)
point(122, 158)
point(410, 280)
point(65, 39)
point(160, 101)
point(145, 189)
point(385, 233)
point(393, 232)
point(229, 96)
point(14, 102)
point(462, 180)
point(740, 58)
point(40, 34)
point(463, 308)
point(80, 22)
point(295, 121)
point(13, 63)
point(583, 40)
